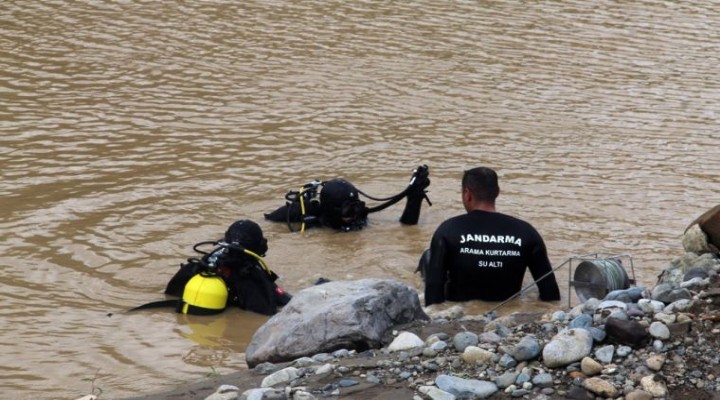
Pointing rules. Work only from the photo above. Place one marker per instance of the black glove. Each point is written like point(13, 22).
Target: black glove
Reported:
point(415, 195)
point(420, 178)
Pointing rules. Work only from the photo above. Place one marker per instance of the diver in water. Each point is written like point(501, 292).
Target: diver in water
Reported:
point(336, 204)
point(234, 273)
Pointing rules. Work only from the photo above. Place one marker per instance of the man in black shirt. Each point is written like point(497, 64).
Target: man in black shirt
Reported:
point(484, 254)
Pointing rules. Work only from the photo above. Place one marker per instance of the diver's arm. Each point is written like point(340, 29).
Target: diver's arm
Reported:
point(436, 274)
point(415, 192)
point(541, 271)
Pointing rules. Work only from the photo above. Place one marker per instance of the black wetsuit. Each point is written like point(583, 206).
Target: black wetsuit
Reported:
point(483, 255)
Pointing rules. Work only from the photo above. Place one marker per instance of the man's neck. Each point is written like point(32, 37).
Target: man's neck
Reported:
point(483, 207)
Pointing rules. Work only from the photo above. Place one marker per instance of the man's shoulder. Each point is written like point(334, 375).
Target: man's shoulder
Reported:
point(472, 218)
point(520, 224)
point(507, 220)
point(454, 221)
point(514, 219)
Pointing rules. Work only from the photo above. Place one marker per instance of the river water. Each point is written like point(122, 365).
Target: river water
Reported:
point(130, 130)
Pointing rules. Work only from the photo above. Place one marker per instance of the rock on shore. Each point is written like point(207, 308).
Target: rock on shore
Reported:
point(334, 315)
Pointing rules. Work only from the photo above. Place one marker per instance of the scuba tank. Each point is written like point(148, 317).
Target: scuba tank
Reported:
point(201, 290)
point(204, 294)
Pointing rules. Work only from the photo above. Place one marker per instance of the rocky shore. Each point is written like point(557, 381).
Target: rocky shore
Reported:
point(658, 352)
point(638, 343)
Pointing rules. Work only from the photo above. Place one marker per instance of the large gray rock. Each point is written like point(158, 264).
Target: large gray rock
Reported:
point(334, 315)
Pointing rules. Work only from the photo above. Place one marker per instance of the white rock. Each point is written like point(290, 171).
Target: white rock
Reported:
point(324, 369)
point(406, 341)
point(600, 387)
point(454, 312)
point(475, 355)
point(665, 318)
point(435, 393)
point(678, 306)
point(254, 394)
point(225, 392)
point(655, 388)
point(566, 347)
point(659, 330)
point(650, 306)
point(655, 362)
point(611, 304)
point(302, 395)
point(590, 367)
point(285, 375)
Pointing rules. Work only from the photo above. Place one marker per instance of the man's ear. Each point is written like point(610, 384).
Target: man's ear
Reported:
point(467, 196)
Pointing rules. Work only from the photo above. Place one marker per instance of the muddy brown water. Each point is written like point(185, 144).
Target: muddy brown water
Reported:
point(131, 130)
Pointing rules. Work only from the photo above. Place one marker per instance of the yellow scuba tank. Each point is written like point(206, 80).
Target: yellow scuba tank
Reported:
point(204, 294)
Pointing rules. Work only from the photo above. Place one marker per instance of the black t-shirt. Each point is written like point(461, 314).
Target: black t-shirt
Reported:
point(483, 255)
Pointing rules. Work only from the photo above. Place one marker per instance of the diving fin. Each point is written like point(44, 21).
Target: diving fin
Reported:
point(156, 304)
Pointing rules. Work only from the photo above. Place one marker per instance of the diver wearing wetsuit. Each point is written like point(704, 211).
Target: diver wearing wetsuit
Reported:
point(239, 262)
point(339, 205)
point(484, 254)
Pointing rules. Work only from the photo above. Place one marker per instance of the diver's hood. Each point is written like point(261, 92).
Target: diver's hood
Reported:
point(340, 205)
point(247, 234)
